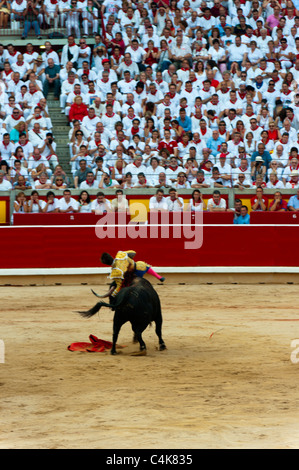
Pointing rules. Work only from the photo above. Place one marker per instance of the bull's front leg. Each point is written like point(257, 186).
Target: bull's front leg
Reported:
point(114, 338)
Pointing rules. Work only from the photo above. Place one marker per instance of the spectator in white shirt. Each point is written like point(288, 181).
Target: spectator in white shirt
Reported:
point(158, 202)
point(67, 203)
point(174, 202)
point(101, 205)
point(4, 184)
point(216, 203)
point(236, 52)
point(90, 183)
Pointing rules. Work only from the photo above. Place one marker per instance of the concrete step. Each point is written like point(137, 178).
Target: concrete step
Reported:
point(61, 143)
point(59, 118)
point(62, 134)
point(60, 131)
point(53, 107)
point(58, 115)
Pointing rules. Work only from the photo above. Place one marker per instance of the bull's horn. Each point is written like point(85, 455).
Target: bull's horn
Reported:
point(105, 295)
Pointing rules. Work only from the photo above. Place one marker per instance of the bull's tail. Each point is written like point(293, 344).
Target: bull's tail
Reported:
point(89, 313)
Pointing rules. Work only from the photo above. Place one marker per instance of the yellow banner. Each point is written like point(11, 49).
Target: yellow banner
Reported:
point(3, 212)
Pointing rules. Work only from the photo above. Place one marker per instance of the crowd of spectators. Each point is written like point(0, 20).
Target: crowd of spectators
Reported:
point(172, 95)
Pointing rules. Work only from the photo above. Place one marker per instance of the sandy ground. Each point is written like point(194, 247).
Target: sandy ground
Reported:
point(225, 381)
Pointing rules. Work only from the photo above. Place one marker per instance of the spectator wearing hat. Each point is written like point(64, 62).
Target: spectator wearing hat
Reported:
point(258, 167)
point(278, 204)
point(259, 202)
point(106, 67)
point(225, 170)
point(38, 67)
point(294, 166)
point(293, 181)
point(261, 152)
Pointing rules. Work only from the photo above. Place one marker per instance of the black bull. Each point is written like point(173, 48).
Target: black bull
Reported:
point(139, 304)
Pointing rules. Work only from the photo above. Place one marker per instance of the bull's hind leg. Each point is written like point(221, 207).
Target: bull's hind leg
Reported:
point(135, 339)
point(142, 350)
point(162, 345)
point(138, 335)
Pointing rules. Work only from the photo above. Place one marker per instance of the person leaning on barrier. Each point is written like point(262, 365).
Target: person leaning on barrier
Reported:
point(158, 202)
point(67, 204)
point(101, 205)
point(20, 204)
point(216, 203)
point(51, 203)
point(278, 204)
point(174, 202)
point(196, 203)
point(259, 202)
point(293, 204)
point(120, 203)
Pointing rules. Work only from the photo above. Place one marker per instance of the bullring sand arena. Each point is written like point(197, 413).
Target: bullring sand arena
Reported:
point(228, 379)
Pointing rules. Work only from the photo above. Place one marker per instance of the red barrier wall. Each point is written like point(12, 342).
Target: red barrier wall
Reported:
point(274, 217)
point(54, 247)
point(91, 219)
